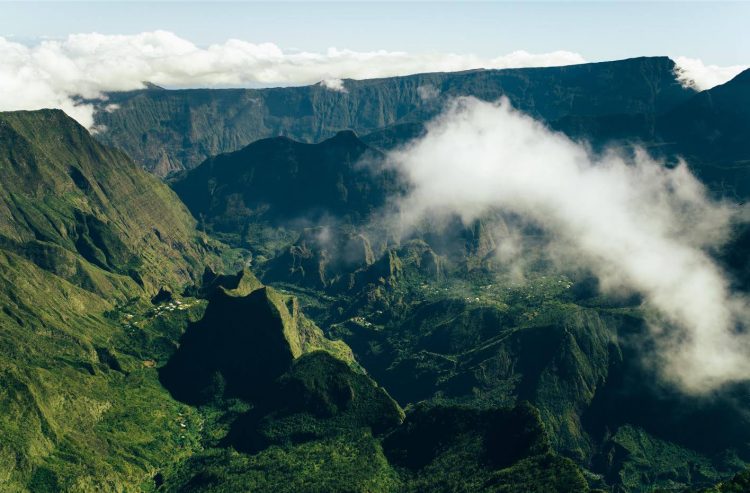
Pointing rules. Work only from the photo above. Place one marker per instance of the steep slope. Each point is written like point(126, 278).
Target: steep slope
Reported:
point(85, 212)
point(167, 130)
point(712, 129)
point(245, 341)
point(86, 237)
point(713, 124)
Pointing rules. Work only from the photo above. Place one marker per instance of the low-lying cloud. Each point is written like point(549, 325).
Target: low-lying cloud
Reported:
point(334, 85)
point(637, 225)
point(55, 73)
point(692, 72)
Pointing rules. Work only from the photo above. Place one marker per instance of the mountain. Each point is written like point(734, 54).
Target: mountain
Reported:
point(128, 364)
point(712, 129)
point(284, 185)
point(86, 238)
point(170, 130)
point(86, 213)
point(140, 353)
point(301, 414)
point(709, 130)
point(247, 338)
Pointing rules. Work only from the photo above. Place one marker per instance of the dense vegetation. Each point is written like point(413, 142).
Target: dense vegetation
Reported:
point(436, 317)
point(86, 238)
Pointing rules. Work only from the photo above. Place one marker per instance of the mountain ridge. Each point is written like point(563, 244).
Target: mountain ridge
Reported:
point(170, 130)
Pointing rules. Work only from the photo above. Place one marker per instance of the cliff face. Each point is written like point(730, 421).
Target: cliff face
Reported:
point(709, 130)
point(166, 130)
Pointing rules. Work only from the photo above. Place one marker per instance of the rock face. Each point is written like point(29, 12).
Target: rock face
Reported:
point(170, 130)
point(321, 258)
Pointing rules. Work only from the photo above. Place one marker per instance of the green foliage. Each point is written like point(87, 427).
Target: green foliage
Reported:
point(640, 459)
point(319, 396)
point(739, 484)
point(465, 450)
point(348, 463)
point(85, 238)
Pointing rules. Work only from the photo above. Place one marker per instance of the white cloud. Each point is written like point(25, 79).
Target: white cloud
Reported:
point(428, 92)
point(334, 85)
point(636, 224)
point(54, 72)
point(692, 72)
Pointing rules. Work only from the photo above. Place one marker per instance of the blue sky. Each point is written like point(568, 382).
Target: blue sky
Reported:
point(716, 32)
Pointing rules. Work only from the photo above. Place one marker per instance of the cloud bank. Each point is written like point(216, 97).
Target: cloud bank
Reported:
point(692, 72)
point(637, 225)
point(54, 73)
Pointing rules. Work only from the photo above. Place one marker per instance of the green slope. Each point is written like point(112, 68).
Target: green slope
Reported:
point(84, 235)
point(85, 212)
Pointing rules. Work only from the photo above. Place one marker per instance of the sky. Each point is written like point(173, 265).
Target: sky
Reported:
point(715, 32)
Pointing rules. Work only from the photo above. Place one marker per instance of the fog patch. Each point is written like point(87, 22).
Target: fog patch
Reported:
point(637, 225)
point(692, 72)
point(427, 92)
point(334, 85)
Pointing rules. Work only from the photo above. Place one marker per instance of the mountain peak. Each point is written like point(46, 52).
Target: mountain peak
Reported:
point(345, 138)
